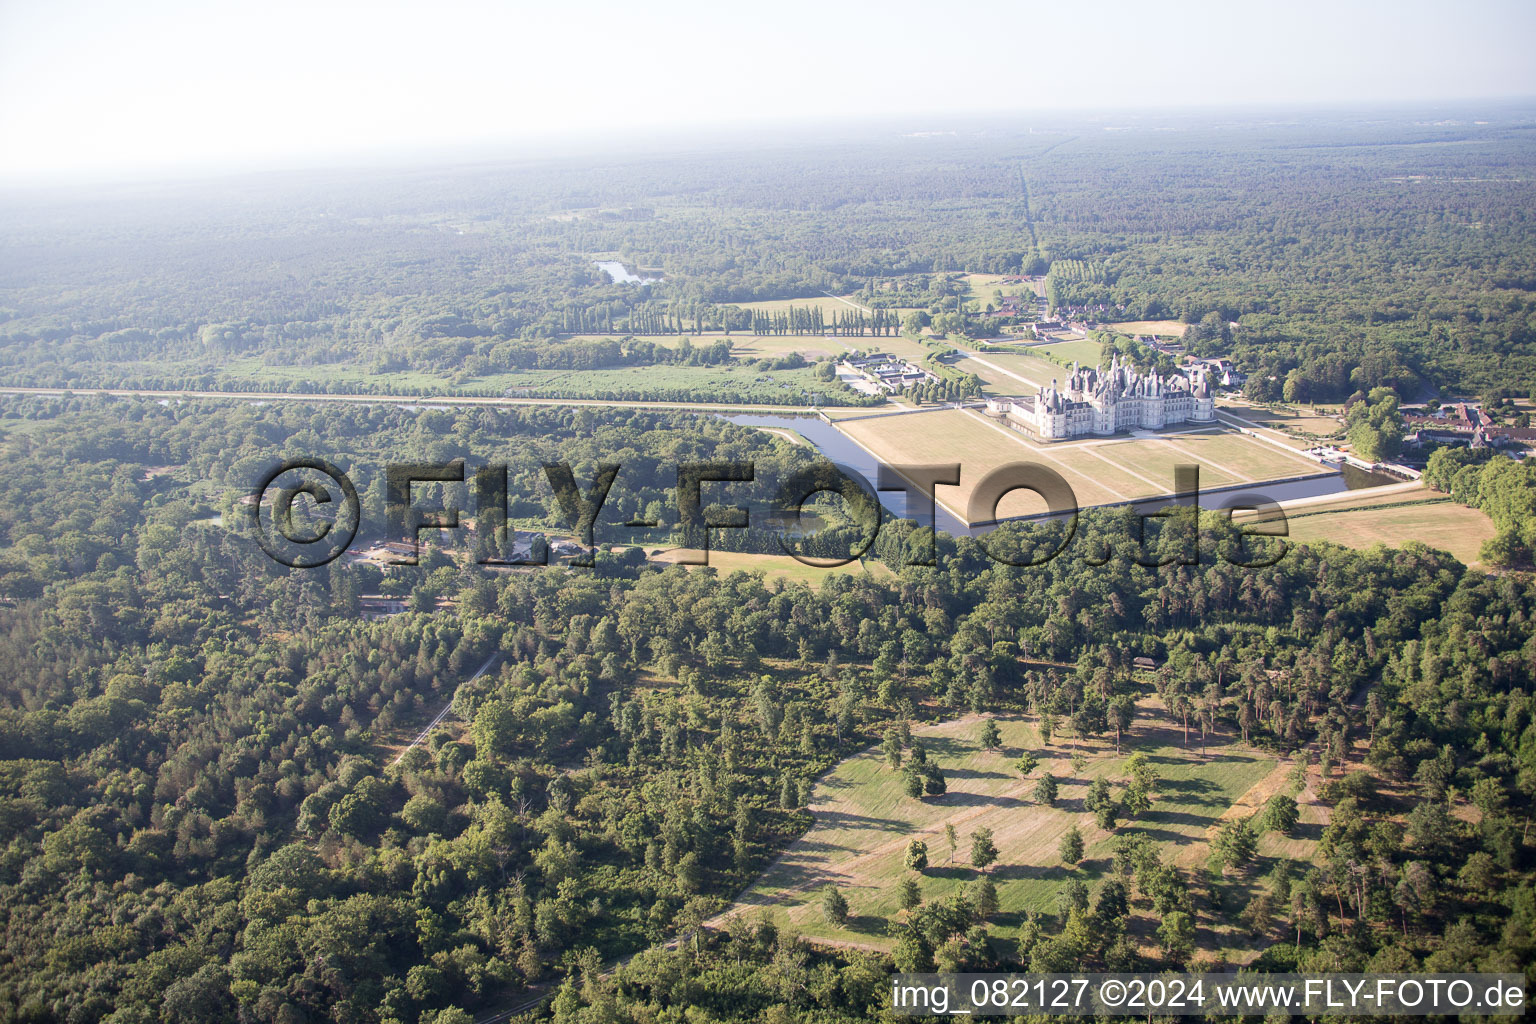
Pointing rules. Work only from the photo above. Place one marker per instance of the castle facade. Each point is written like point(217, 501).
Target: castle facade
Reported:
point(1098, 402)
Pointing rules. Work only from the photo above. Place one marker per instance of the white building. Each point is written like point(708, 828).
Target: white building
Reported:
point(887, 373)
point(1104, 402)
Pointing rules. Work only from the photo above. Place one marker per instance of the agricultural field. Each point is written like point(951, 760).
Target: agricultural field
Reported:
point(864, 820)
point(779, 566)
point(1157, 328)
point(1393, 520)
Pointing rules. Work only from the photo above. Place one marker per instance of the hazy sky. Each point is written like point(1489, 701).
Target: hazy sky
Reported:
point(101, 86)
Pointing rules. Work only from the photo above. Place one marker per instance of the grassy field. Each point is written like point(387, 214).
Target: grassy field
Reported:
point(812, 346)
point(952, 435)
point(1157, 461)
point(1362, 522)
point(1100, 472)
point(1159, 328)
point(782, 566)
point(901, 346)
point(254, 370)
point(767, 386)
point(1224, 457)
point(772, 386)
point(864, 820)
point(985, 286)
point(849, 411)
point(1315, 422)
point(1033, 369)
point(1086, 352)
point(825, 303)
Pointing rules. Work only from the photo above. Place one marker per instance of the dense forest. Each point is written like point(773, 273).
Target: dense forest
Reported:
point(211, 807)
point(207, 815)
point(1350, 253)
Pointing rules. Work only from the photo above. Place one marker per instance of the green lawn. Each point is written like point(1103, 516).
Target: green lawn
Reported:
point(1086, 352)
point(984, 288)
point(1034, 370)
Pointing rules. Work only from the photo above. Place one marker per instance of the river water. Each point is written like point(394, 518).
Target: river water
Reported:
point(841, 449)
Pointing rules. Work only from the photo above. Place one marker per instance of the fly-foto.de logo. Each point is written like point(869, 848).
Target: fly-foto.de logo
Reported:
point(305, 513)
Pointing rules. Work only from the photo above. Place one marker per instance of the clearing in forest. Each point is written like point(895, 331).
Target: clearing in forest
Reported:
point(1158, 328)
point(1442, 524)
point(783, 566)
point(864, 820)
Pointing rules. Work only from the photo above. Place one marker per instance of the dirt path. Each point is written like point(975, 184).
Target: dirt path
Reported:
point(848, 302)
point(421, 737)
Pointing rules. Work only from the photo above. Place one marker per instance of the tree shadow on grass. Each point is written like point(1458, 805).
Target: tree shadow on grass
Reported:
point(1163, 835)
point(971, 773)
point(1037, 872)
point(952, 872)
point(1184, 786)
point(946, 746)
point(867, 924)
point(787, 875)
point(843, 819)
point(1311, 831)
point(976, 800)
point(1176, 818)
point(818, 846)
point(1006, 919)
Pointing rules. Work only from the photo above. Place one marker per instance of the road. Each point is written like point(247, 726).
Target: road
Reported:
point(285, 396)
point(421, 737)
